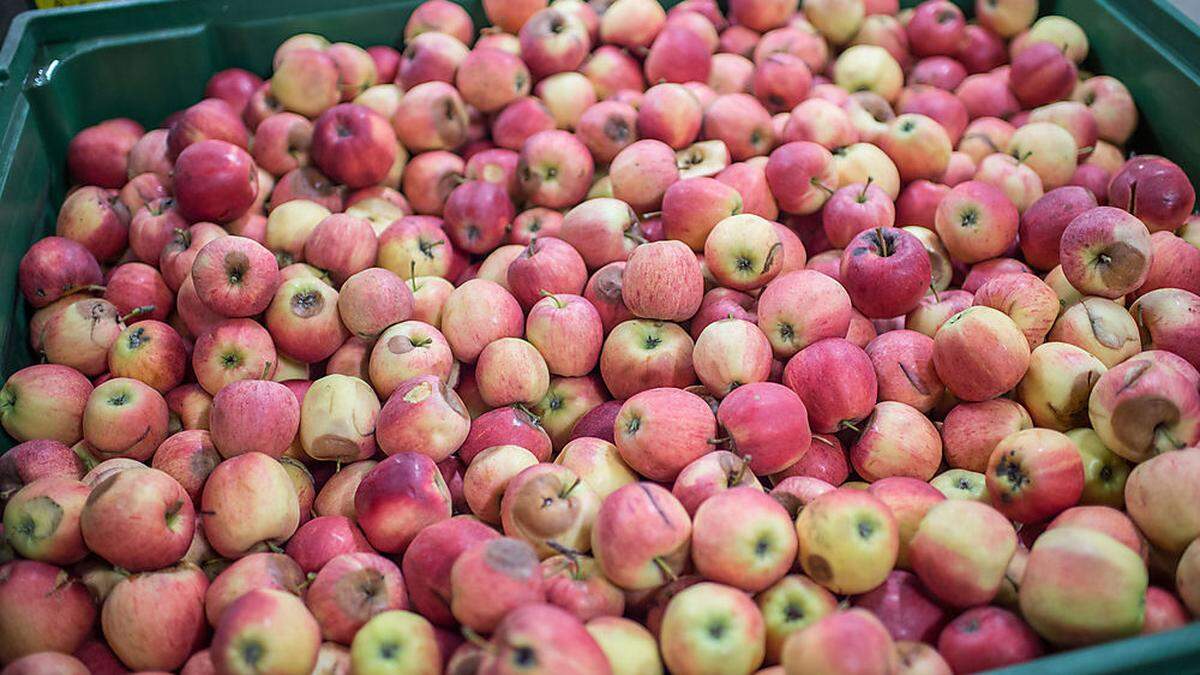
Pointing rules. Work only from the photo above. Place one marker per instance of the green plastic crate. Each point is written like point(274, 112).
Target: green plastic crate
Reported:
point(62, 70)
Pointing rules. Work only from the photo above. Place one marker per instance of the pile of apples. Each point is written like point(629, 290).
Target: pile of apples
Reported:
point(833, 339)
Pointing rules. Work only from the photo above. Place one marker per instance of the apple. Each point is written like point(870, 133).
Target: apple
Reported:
point(802, 176)
point(475, 314)
point(567, 331)
point(324, 538)
point(1041, 74)
point(682, 52)
point(1035, 474)
point(1055, 389)
point(904, 372)
point(639, 437)
point(730, 353)
point(1155, 190)
point(45, 401)
point(396, 639)
point(138, 519)
point(712, 474)
point(842, 641)
point(640, 536)
point(136, 284)
point(750, 180)
point(398, 498)
point(482, 69)
point(1111, 603)
point(137, 607)
point(1164, 611)
point(505, 426)
point(266, 629)
point(641, 354)
point(550, 508)
point(232, 350)
point(1148, 506)
point(603, 230)
point(822, 122)
point(642, 172)
point(81, 335)
point(504, 571)
point(832, 408)
point(869, 68)
point(225, 504)
point(42, 520)
point(95, 218)
point(351, 589)
point(1106, 252)
point(977, 372)
point(477, 214)
point(1100, 326)
point(848, 541)
point(742, 252)
point(27, 462)
point(428, 561)
point(629, 647)
point(215, 181)
point(749, 551)
point(125, 418)
point(574, 583)
point(961, 550)
point(553, 41)
point(1169, 423)
point(430, 116)
point(1111, 104)
point(45, 609)
point(709, 623)
point(282, 142)
point(983, 638)
point(1043, 223)
point(876, 455)
point(976, 221)
point(885, 257)
point(337, 418)
point(800, 308)
point(432, 56)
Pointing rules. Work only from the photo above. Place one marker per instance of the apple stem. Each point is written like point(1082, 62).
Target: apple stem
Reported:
point(537, 420)
point(821, 185)
point(651, 214)
point(862, 196)
point(1131, 207)
point(547, 294)
point(718, 441)
point(1085, 150)
point(571, 555)
point(412, 274)
point(477, 640)
point(88, 288)
point(741, 472)
point(1022, 157)
point(665, 568)
point(122, 571)
point(136, 312)
point(822, 439)
point(847, 424)
point(933, 289)
point(570, 488)
point(883, 245)
point(266, 370)
point(273, 547)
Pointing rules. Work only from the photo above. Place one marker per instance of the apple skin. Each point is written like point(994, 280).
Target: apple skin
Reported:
point(850, 640)
point(994, 362)
point(139, 606)
point(743, 538)
point(287, 635)
point(984, 638)
point(508, 570)
point(1034, 475)
point(121, 520)
point(1174, 263)
point(54, 267)
point(710, 475)
point(848, 541)
point(800, 308)
point(961, 550)
point(1105, 520)
point(48, 662)
point(1109, 602)
point(428, 561)
point(1141, 408)
point(1164, 611)
point(1186, 578)
point(44, 609)
point(639, 439)
point(398, 498)
point(831, 407)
